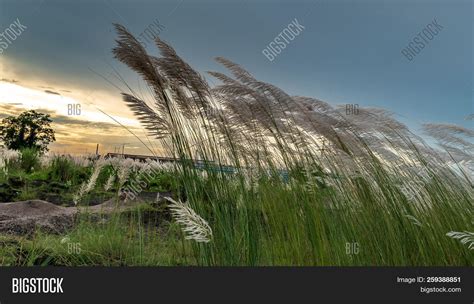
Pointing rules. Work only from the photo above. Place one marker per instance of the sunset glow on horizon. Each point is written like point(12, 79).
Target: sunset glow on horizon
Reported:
point(75, 134)
point(48, 70)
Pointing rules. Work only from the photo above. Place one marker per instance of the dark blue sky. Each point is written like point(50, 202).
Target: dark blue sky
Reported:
point(349, 52)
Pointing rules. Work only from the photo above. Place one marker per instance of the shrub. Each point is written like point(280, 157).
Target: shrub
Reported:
point(29, 159)
point(61, 168)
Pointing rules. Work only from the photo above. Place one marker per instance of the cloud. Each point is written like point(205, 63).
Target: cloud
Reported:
point(75, 134)
point(9, 80)
point(85, 124)
point(69, 122)
point(7, 109)
point(51, 92)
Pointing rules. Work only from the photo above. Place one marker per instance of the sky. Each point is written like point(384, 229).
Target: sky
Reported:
point(348, 53)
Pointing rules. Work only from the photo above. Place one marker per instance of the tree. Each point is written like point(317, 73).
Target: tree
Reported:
point(30, 129)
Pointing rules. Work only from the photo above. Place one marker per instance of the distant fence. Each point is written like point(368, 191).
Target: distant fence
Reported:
point(143, 158)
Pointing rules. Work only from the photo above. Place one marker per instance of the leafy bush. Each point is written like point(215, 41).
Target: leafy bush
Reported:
point(63, 169)
point(29, 159)
point(164, 182)
point(105, 174)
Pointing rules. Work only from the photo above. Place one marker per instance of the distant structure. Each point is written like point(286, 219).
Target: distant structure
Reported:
point(143, 158)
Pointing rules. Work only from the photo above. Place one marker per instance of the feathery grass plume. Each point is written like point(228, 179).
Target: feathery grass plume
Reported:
point(195, 227)
point(80, 160)
point(131, 52)
point(450, 135)
point(300, 124)
point(466, 238)
point(9, 155)
point(93, 178)
point(458, 146)
point(258, 131)
point(3, 167)
point(123, 172)
point(259, 114)
point(178, 113)
point(46, 160)
point(86, 187)
point(110, 182)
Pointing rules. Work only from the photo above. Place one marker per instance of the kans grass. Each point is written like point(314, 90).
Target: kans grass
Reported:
point(282, 180)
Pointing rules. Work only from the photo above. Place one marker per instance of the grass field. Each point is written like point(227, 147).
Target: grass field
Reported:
point(284, 180)
point(254, 218)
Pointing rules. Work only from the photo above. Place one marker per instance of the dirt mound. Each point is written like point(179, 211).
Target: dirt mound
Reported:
point(24, 217)
point(32, 208)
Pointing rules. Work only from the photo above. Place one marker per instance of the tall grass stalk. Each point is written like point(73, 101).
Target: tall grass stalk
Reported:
point(291, 180)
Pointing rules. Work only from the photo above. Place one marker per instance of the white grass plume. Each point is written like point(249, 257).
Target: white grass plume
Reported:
point(465, 237)
point(90, 184)
point(110, 182)
point(7, 157)
point(195, 227)
point(123, 172)
point(3, 167)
